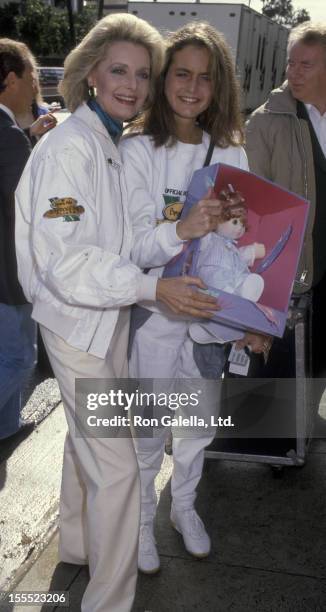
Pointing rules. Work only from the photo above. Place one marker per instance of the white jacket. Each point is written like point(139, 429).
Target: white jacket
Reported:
point(73, 256)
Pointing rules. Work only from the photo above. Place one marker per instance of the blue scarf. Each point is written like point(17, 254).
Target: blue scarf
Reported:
point(113, 126)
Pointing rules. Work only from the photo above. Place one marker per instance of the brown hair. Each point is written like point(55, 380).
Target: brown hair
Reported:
point(233, 206)
point(14, 57)
point(222, 119)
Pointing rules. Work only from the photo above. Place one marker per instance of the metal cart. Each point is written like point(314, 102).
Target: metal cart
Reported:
point(248, 399)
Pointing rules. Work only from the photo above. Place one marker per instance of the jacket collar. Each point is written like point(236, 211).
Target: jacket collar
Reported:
point(281, 101)
point(85, 114)
point(8, 112)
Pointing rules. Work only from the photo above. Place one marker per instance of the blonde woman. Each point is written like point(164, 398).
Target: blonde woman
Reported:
point(73, 240)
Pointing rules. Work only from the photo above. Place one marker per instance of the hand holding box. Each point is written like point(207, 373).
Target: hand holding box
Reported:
point(276, 221)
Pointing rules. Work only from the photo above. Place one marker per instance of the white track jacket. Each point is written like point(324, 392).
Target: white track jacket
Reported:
point(73, 234)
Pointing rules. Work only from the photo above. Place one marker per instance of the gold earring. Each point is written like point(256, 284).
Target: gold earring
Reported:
point(91, 91)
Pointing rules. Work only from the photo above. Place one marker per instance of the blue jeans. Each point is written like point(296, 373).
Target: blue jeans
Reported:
point(17, 359)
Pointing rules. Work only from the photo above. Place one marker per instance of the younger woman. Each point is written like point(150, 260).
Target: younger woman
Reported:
point(196, 103)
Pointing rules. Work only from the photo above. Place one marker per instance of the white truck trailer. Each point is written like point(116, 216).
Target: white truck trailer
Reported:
point(257, 42)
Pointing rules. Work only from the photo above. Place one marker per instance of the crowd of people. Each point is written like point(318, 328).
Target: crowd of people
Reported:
point(94, 229)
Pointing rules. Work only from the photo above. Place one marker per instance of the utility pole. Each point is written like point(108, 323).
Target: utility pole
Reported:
point(71, 24)
point(100, 8)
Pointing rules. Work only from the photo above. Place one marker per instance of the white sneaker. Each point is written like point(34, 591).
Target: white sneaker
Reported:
point(148, 559)
point(196, 539)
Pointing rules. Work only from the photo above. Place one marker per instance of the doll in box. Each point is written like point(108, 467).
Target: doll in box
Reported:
point(220, 262)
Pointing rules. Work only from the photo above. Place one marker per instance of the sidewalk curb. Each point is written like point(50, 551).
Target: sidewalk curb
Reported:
point(29, 497)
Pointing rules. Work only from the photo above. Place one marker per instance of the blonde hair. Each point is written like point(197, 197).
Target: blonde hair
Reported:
point(121, 27)
point(38, 98)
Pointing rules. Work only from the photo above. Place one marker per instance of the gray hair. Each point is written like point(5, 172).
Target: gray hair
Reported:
point(308, 33)
point(93, 49)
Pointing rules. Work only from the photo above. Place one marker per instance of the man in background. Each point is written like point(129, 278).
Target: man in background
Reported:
point(286, 143)
point(17, 330)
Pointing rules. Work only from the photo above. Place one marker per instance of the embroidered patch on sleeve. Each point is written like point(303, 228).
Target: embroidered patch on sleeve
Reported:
point(172, 210)
point(64, 207)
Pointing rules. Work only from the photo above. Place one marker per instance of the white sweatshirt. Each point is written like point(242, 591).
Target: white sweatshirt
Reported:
point(157, 181)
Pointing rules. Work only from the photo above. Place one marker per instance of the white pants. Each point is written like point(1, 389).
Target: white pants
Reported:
point(100, 497)
point(162, 348)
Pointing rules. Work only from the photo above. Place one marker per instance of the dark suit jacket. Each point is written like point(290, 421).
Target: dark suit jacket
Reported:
point(15, 149)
